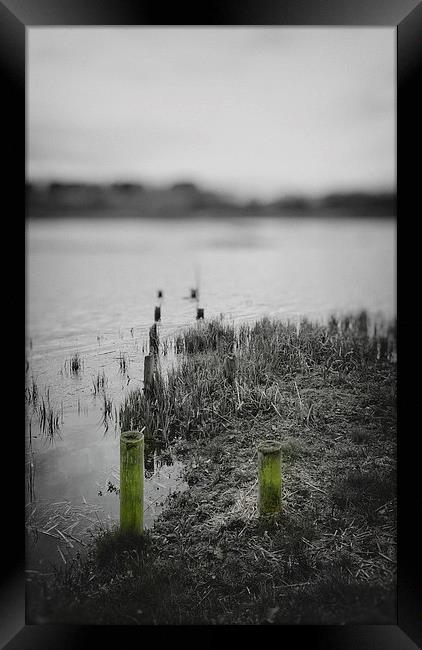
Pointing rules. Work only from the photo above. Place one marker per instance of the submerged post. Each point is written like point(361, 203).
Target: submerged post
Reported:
point(383, 347)
point(362, 323)
point(157, 314)
point(269, 477)
point(148, 372)
point(199, 313)
point(132, 481)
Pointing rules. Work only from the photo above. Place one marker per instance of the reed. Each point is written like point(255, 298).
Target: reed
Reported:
point(30, 473)
point(49, 417)
point(74, 365)
point(213, 335)
point(123, 363)
point(107, 411)
point(31, 392)
point(99, 383)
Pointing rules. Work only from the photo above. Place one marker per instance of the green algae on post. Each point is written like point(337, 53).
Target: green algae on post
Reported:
point(269, 477)
point(132, 481)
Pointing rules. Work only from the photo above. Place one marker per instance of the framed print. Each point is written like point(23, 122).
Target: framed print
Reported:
point(216, 205)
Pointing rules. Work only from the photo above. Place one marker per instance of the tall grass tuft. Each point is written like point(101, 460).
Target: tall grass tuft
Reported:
point(99, 383)
point(123, 363)
point(49, 418)
point(31, 392)
point(107, 411)
point(196, 398)
point(74, 365)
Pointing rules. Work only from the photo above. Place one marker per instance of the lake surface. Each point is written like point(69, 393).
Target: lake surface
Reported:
point(91, 289)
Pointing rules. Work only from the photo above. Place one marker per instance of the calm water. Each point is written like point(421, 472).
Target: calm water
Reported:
point(91, 289)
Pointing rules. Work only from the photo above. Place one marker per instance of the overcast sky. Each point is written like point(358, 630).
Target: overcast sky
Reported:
point(256, 111)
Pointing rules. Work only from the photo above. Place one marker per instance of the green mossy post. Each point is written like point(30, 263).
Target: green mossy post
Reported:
point(132, 481)
point(269, 477)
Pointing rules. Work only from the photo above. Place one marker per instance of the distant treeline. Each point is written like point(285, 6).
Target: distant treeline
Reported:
point(187, 199)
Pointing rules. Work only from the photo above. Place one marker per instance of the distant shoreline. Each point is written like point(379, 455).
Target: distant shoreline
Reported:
point(131, 212)
point(186, 200)
point(217, 216)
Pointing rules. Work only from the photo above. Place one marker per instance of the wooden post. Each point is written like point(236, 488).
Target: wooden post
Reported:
point(159, 293)
point(383, 347)
point(154, 341)
point(269, 477)
point(132, 481)
point(332, 325)
point(229, 367)
point(194, 293)
point(157, 314)
point(345, 323)
point(199, 313)
point(148, 372)
point(362, 323)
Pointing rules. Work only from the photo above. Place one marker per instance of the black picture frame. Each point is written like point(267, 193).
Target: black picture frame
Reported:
point(404, 15)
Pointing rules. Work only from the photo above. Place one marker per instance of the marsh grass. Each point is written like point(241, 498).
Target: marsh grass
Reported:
point(196, 398)
point(31, 392)
point(74, 365)
point(107, 412)
point(50, 418)
point(360, 436)
point(123, 363)
point(327, 394)
point(30, 475)
point(214, 335)
point(361, 490)
point(99, 383)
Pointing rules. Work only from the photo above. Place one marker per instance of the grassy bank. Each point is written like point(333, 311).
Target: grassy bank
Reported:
point(327, 393)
